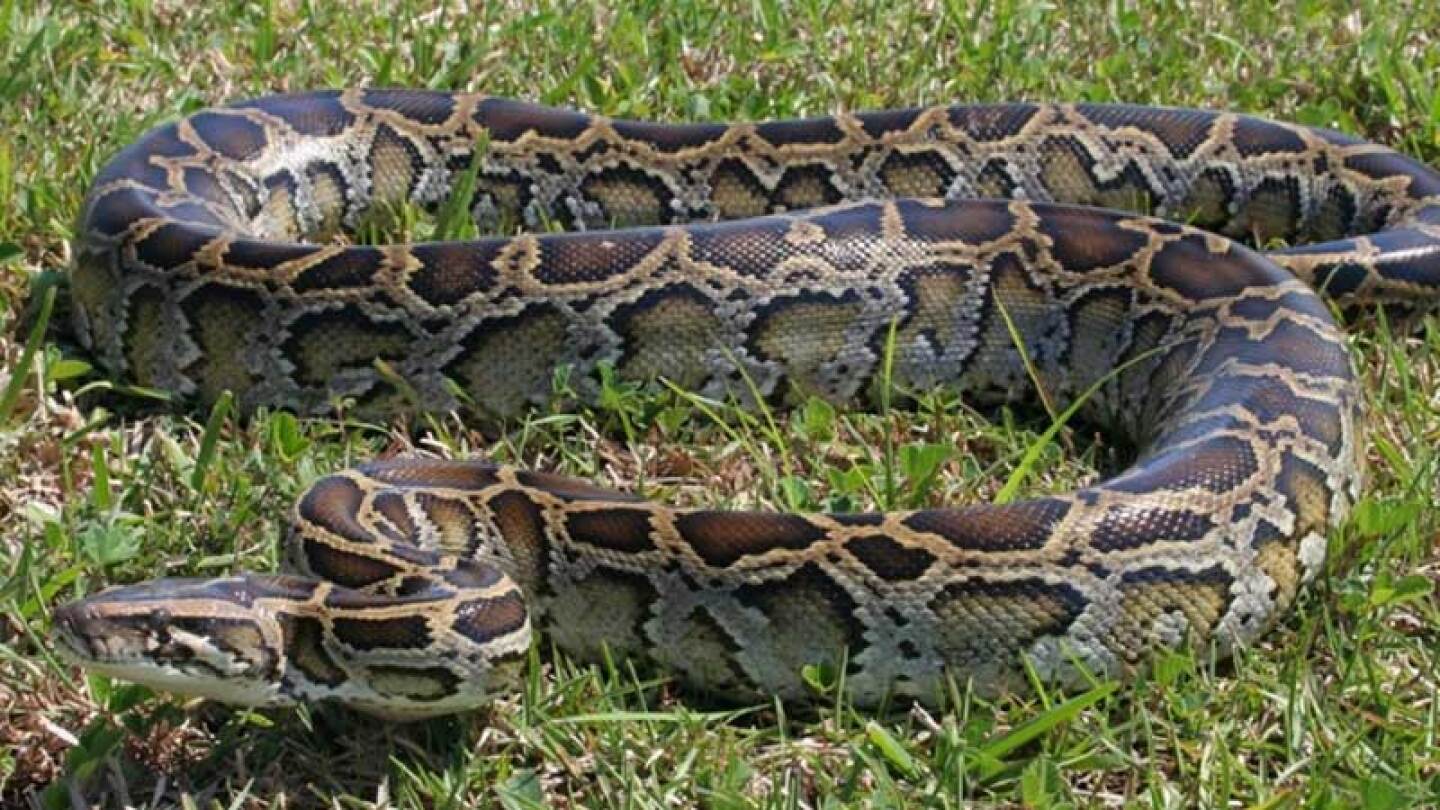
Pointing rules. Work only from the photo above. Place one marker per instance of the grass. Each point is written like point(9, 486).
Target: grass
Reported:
point(99, 484)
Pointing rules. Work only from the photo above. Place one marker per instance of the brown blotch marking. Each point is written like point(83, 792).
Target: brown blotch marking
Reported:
point(452, 519)
point(506, 363)
point(1180, 131)
point(604, 609)
point(802, 353)
point(736, 193)
point(115, 212)
point(888, 558)
point(995, 367)
point(582, 258)
point(415, 472)
point(1279, 562)
point(450, 272)
point(721, 538)
point(319, 113)
point(398, 524)
point(800, 131)
point(343, 568)
point(992, 122)
point(882, 122)
point(1188, 267)
point(257, 254)
point(1084, 240)
point(570, 489)
point(1424, 181)
point(279, 215)
point(508, 120)
point(395, 166)
point(223, 320)
point(669, 333)
point(352, 267)
point(994, 180)
point(173, 244)
point(365, 633)
point(1128, 527)
point(146, 335)
point(971, 221)
point(623, 530)
point(628, 197)
point(522, 528)
point(234, 137)
point(982, 623)
point(484, 620)
point(704, 656)
point(1149, 593)
point(1003, 527)
point(1218, 465)
point(669, 137)
point(334, 502)
point(426, 107)
point(1252, 137)
point(413, 683)
point(305, 650)
point(324, 344)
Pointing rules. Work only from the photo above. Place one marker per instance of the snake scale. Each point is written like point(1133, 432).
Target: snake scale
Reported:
point(784, 259)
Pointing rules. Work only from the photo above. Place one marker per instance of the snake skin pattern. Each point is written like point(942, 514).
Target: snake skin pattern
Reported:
point(781, 255)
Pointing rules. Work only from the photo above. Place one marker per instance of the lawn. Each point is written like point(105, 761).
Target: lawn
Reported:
point(101, 484)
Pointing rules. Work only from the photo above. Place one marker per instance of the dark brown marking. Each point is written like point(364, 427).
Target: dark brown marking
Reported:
point(257, 254)
point(1007, 527)
point(345, 569)
point(570, 489)
point(400, 632)
point(581, 258)
point(484, 620)
point(883, 122)
point(1180, 131)
point(118, 210)
point(233, 136)
point(1084, 239)
point(1189, 268)
point(669, 137)
point(1253, 137)
point(623, 530)
point(992, 122)
point(800, 131)
point(888, 558)
point(452, 271)
point(318, 114)
point(333, 503)
point(391, 506)
point(173, 244)
point(508, 120)
point(355, 266)
point(972, 221)
point(427, 107)
point(721, 538)
point(414, 472)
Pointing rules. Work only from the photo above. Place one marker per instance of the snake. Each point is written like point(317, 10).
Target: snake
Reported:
point(1175, 274)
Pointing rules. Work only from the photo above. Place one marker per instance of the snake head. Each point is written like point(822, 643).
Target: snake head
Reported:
point(205, 638)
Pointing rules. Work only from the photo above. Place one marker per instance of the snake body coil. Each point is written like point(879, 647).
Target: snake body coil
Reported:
point(779, 255)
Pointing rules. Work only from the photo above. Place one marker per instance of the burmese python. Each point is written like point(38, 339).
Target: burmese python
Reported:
point(775, 258)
